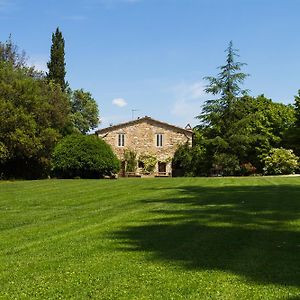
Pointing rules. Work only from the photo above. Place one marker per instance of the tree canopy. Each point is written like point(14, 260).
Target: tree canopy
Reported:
point(33, 117)
point(35, 114)
point(237, 130)
point(85, 112)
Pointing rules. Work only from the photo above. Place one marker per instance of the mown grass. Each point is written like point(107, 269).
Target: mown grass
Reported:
point(180, 238)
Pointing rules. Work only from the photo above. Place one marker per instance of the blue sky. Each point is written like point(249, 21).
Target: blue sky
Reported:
point(152, 55)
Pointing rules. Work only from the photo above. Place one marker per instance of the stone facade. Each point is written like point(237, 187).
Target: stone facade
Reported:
point(146, 136)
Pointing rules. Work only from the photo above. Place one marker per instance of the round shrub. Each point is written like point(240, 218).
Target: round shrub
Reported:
point(280, 161)
point(83, 156)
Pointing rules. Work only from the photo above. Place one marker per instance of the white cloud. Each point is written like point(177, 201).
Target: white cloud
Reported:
point(189, 97)
point(39, 62)
point(120, 102)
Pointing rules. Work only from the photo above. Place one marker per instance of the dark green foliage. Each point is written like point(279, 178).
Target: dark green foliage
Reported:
point(85, 112)
point(34, 115)
point(216, 112)
point(56, 65)
point(182, 161)
point(226, 164)
point(190, 161)
point(238, 125)
point(292, 135)
point(258, 125)
point(85, 157)
point(297, 109)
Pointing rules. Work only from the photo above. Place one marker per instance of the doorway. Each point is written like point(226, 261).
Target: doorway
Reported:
point(162, 167)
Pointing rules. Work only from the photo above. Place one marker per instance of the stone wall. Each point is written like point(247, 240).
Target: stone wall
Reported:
point(141, 138)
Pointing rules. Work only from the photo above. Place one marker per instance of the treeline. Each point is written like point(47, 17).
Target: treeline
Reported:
point(43, 125)
point(37, 110)
point(239, 134)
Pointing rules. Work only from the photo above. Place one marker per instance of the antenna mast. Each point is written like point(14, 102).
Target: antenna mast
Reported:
point(132, 113)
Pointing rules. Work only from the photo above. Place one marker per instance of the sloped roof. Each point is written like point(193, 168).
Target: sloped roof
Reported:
point(141, 120)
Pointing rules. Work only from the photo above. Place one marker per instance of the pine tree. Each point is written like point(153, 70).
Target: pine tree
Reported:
point(56, 65)
point(227, 85)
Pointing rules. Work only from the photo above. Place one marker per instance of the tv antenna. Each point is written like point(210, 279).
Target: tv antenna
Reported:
point(132, 113)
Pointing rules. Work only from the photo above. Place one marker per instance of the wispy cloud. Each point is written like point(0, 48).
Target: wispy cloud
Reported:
point(120, 102)
point(39, 61)
point(189, 97)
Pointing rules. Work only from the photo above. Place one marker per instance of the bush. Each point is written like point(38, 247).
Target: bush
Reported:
point(280, 161)
point(226, 164)
point(83, 156)
point(131, 160)
point(149, 162)
point(247, 169)
point(189, 161)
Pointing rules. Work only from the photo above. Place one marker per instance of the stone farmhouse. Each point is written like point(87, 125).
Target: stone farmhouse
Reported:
point(148, 139)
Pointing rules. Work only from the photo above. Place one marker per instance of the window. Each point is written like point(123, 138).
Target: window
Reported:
point(121, 139)
point(159, 140)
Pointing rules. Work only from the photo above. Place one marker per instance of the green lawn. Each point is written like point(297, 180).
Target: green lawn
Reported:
point(180, 238)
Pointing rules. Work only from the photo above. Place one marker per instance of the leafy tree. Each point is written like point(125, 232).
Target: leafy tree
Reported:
point(182, 161)
point(9, 52)
point(190, 161)
point(84, 156)
point(297, 109)
point(292, 136)
point(280, 161)
point(31, 123)
point(237, 124)
point(259, 125)
point(57, 65)
point(84, 111)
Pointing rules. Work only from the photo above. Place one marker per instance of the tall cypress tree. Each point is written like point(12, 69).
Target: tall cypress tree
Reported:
point(57, 65)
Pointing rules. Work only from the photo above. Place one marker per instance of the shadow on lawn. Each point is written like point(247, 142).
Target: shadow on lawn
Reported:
point(245, 230)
